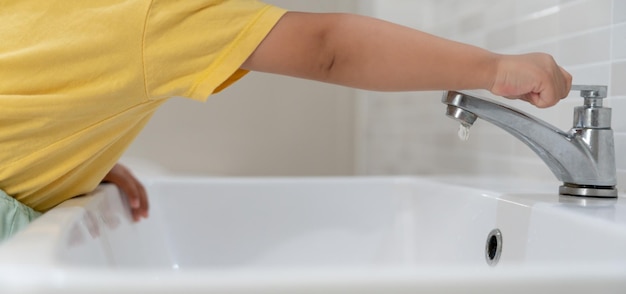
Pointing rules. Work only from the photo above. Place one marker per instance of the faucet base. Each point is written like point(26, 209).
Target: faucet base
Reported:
point(568, 189)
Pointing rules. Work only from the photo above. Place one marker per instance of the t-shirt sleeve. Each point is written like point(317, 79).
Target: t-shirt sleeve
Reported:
point(194, 48)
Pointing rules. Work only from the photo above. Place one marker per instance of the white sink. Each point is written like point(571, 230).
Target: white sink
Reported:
point(324, 235)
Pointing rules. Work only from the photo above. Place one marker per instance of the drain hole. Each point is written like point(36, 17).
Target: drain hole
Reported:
point(493, 247)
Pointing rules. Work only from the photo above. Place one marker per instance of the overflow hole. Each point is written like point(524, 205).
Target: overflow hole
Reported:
point(493, 247)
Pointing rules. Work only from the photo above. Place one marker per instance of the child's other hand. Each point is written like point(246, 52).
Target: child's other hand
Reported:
point(132, 188)
point(535, 78)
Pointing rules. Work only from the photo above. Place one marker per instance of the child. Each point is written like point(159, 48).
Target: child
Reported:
point(79, 79)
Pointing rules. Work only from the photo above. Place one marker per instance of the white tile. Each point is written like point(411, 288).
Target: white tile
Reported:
point(619, 41)
point(530, 8)
point(618, 78)
point(595, 74)
point(522, 151)
point(619, 108)
point(562, 115)
point(457, 8)
point(531, 168)
point(540, 28)
point(490, 143)
point(409, 13)
point(621, 181)
point(444, 30)
point(499, 12)
point(501, 38)
point(471, 23)
point(586, 48)
point(585, 15)
point(551, 48)
point(619, 11)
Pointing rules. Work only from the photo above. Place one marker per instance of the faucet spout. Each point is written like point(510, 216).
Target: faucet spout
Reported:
point(583, 158)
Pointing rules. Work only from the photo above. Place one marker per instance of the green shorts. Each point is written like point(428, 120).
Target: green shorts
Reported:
point(14, 216)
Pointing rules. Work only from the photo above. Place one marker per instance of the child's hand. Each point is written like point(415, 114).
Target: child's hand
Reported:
point(534, 78)
point(132, 188)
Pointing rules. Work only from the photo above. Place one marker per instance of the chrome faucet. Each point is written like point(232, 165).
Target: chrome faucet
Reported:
point(583, 158)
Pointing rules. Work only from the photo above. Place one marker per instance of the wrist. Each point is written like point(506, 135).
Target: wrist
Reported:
point(490, 74)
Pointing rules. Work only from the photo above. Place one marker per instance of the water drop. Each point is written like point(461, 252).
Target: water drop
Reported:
point(464, 132)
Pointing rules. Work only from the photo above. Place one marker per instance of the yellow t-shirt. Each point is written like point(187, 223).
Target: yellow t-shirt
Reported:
point(79, 80)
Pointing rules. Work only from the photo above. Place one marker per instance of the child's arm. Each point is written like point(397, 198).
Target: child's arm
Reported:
point(132, 188)
point(367, 53)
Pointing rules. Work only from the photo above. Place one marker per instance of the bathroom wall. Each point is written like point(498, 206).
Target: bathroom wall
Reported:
point(263, 125)
point(408, 133)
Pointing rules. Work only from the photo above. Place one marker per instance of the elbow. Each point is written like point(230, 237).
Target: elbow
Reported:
point(326, 68)
point(329, 44)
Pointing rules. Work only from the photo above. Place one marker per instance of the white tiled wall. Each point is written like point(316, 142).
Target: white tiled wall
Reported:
point(408, 133)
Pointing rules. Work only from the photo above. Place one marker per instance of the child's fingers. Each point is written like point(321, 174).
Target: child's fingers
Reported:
point(143, 199)
point(129, 188)
point(138, 198)
point(132, 188)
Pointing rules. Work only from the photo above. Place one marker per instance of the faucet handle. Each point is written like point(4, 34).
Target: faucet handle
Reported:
point(592, 115)
point(593, 94)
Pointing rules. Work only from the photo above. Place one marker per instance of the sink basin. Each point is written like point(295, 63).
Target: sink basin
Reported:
point(324, 235)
